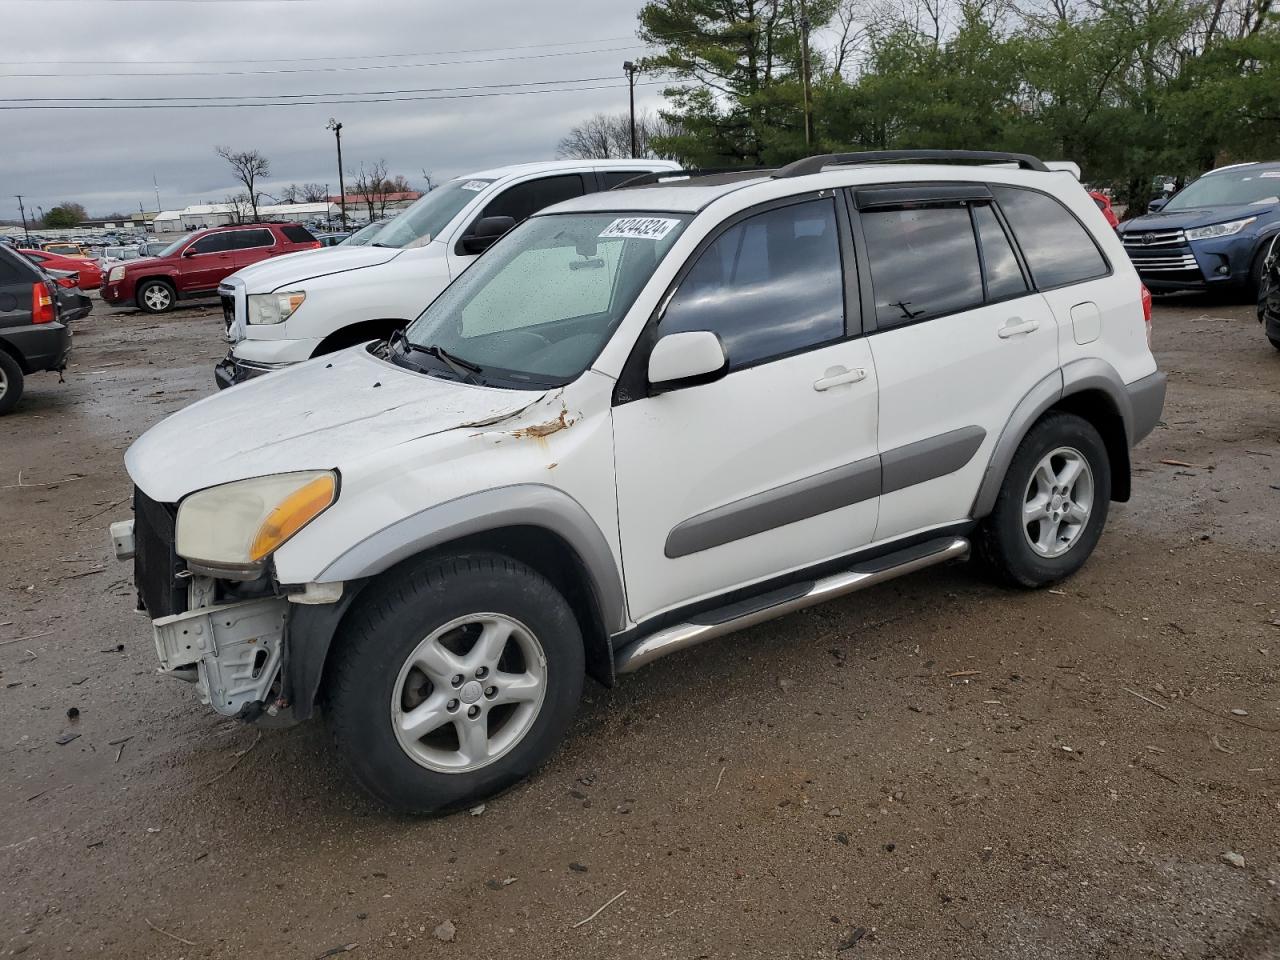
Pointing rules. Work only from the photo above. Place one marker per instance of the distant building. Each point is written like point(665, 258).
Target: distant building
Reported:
point(386, 205)
point(199, 215)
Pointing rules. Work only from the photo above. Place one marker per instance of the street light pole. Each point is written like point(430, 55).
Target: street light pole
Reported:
point(631, 70)
point(23, 210)
point(336, 127)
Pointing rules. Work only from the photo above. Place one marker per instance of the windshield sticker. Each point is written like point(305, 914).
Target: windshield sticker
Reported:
point(475, 185)
point(639, 228)
point(1270, 175)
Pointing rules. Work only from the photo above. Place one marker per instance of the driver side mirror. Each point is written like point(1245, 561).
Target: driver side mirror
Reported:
point(485, 232)
point(190, 251)
point(687, 359)
point(1156, 204)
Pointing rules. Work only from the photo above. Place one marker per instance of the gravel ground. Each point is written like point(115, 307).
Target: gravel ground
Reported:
point(937, 768)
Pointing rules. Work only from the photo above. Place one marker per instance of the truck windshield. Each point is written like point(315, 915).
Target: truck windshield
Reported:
point(429, 215)
point(537, 309)
point(1225, 189)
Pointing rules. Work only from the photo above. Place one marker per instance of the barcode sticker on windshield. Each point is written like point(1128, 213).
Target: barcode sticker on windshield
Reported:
point(640, 228)
point(1270, 174)
point(475, 185)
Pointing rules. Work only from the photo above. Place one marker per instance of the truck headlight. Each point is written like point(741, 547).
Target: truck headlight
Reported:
point(240, 524)
point(274, 307)
point(1219, 230)
point(117, 273)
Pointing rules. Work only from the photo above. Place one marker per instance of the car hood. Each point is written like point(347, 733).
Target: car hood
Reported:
point(1196, 217)
point(298, 268)
point(313, 416)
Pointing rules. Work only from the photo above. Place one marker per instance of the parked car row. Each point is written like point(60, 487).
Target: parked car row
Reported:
point(646, 417)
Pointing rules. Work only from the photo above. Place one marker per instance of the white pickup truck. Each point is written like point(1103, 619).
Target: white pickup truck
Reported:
point(297, 307)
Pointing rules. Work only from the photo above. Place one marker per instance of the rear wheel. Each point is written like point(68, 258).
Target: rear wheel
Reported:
point(156, 296)
point(454, 681)
point(1053, 505)
point(11, 382)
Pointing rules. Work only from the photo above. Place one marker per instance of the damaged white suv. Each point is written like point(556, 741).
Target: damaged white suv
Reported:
point(645, 418)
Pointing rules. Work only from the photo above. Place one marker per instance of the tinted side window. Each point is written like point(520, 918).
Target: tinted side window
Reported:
point(213, 243)
point(611, 178)
point(525, 199)
point(769, 285)
point(297, 234)
point(1004, 276)
point(924, 262)
point(1058, 249)
point(248, 239)
point(13, 271)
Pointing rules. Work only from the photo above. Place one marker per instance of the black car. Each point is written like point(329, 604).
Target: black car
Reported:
point(72, 303)
point(1269, 296)
point(34, 335)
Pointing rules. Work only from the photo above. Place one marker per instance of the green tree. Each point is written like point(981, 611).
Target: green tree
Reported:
point(65, 215)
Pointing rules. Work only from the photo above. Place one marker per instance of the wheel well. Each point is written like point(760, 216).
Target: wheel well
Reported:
point(143, 281)
point(1100, 410)
point(361, 332)
point(18, 358)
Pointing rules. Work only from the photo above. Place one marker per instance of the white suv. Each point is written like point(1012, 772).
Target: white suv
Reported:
point(647, 417)
point(303, 306)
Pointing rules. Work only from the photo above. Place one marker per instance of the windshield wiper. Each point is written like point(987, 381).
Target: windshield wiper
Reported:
point(462, 368)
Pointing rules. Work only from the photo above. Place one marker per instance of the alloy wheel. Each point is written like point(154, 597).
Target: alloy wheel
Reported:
point(157, 298)
point(469, 692)
point(1058, 502)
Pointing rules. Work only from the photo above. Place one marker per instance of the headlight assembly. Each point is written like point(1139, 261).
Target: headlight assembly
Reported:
point(1219, 230)
point(274, 307)
point(117, 273)
point(240, 524)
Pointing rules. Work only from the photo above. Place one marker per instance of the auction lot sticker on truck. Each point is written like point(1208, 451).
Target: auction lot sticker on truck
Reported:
point(640, 228)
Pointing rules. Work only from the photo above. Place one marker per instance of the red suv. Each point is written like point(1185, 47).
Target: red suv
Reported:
point(194, 265)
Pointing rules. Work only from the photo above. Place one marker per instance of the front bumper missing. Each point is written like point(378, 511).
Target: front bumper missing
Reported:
point(231, 370)
point(234, 650)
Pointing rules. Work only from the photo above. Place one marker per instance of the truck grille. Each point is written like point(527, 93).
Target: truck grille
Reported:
point(155, 559)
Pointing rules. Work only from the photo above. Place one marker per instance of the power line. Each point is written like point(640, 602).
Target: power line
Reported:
point(288, 70)
point(303, 96)
point(310, 103)
point(344, 56)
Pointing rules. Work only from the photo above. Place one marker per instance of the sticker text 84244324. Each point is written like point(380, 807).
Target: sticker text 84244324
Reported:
point(640, 228)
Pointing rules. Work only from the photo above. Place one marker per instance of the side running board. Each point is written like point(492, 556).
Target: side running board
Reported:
point(777, 603)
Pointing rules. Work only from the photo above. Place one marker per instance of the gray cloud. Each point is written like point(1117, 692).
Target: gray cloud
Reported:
point(105, 159)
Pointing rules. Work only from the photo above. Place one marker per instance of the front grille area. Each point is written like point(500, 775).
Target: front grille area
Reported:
point(228, 309)
point(1145, 239)
point(1161, 252)
point(155, 559)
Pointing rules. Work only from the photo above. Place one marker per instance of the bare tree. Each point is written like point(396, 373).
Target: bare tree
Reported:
point(238, 203)
point(608, 135)
point(314, 193)
point(374, 190)
point(429, 182)
point(249, 166)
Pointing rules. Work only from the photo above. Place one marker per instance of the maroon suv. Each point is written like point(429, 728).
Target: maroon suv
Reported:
point(194, 265)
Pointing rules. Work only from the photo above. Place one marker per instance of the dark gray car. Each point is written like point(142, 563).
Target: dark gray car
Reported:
point(34, 335)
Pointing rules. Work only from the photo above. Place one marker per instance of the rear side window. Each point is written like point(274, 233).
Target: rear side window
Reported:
point(924, 262)
point(1003, 275)
point(249, 239)
point(213, 243)
point(12, 270)
point(525, 199)
point(770, 285)
point(297, 234)
point(1058, 249)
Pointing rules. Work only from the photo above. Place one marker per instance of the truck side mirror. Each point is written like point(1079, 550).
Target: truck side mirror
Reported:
point(485, 232)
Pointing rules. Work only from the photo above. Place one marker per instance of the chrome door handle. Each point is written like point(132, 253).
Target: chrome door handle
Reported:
point(1015, 326)
point(839, 375)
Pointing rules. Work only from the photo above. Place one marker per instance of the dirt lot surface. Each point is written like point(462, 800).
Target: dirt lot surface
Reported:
point(937, 768)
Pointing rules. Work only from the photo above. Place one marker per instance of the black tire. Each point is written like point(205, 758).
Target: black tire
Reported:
point(1274, 342)
point(1003, 540)
point(164, 299)
point(1257, 276)
point(11, 382)
point(376, 642)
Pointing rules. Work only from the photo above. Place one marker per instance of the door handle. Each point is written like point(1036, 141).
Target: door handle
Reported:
point(839, 375)
point(1016, 326)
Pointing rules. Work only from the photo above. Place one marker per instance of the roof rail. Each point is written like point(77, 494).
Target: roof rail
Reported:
point(658, 176)
point(808, 165)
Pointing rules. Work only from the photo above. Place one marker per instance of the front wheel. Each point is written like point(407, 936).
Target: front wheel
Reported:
point(1053, 504)
point(156, 296)
point(453, 681)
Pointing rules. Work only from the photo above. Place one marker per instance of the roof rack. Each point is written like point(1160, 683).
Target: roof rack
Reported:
point(658, 176)
point(808, 165)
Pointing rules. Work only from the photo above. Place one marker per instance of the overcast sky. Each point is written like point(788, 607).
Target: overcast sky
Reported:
point(105, 159)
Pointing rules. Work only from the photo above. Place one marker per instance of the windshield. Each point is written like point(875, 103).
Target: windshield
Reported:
point(538, 308)
point(364, 236)
point(1224, 189)
point(429, 215)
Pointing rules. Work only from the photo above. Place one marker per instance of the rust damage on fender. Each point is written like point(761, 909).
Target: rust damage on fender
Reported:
point(540, 431)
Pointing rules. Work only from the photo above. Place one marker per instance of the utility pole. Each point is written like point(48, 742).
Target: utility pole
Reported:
point(632, 70)
point(336, 127)
point(157, 189)
point(804, 69)
point(328, 219)
point(23, 210)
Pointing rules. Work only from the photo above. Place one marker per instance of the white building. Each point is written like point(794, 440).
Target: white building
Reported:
point(199, 215)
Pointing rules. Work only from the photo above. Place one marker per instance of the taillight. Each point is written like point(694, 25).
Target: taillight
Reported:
point(314, 246)
point(1146, 311)
point(68, 283)
point(42, 303)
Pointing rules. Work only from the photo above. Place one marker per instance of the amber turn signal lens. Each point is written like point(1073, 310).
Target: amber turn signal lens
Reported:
point(295, 512)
